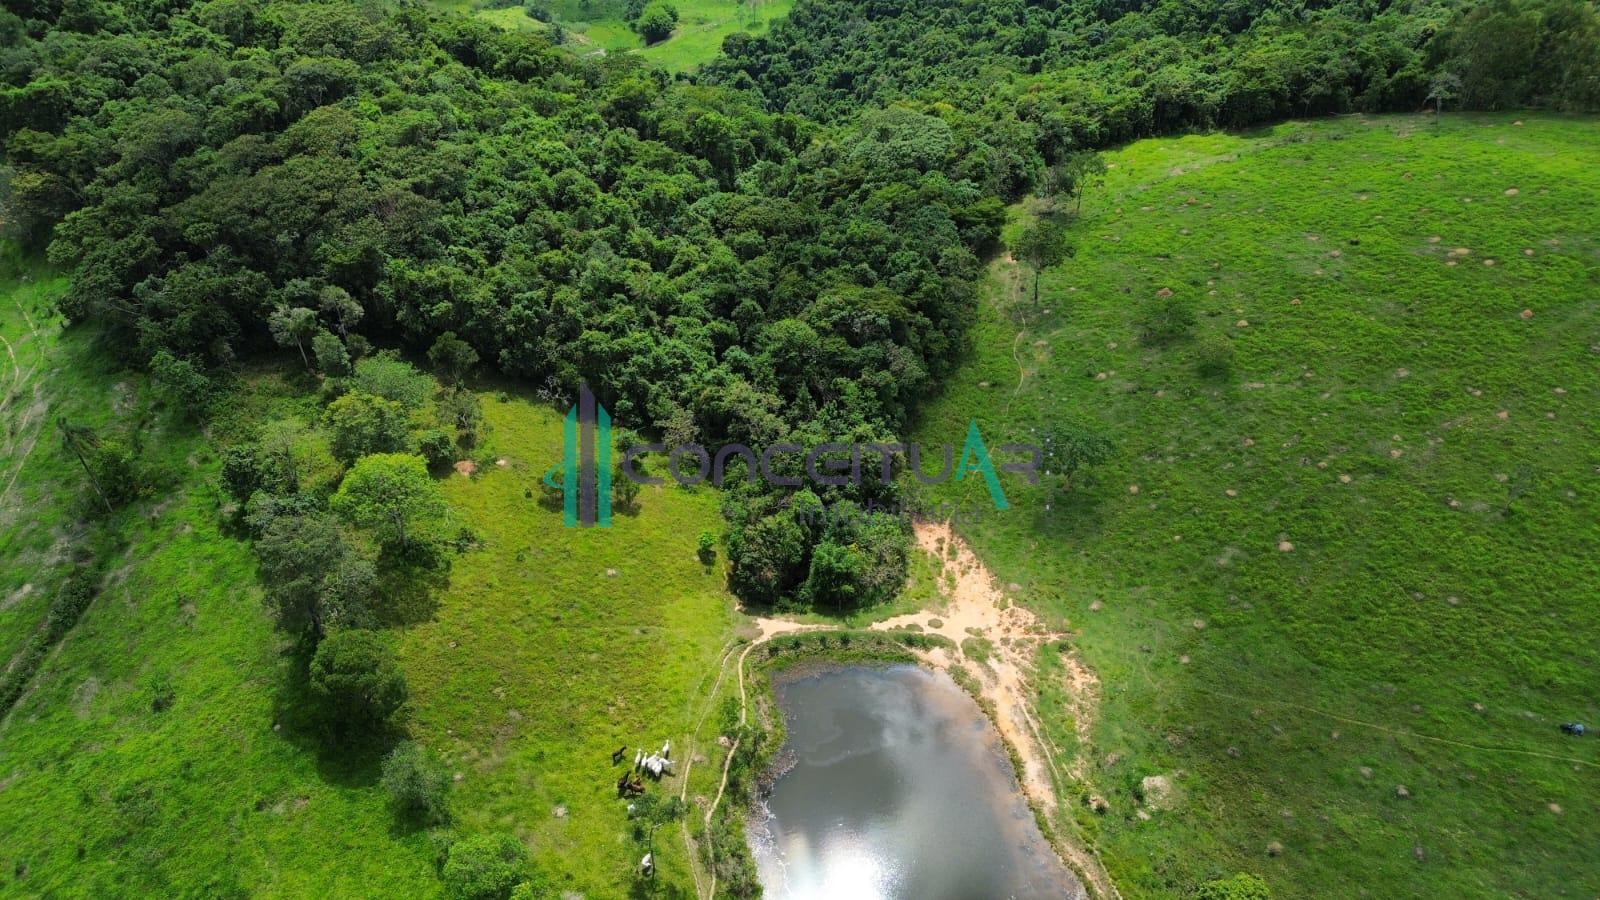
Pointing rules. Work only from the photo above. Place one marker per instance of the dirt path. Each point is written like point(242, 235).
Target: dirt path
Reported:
point(977, 608)
point(768, 629)
point(16, 374)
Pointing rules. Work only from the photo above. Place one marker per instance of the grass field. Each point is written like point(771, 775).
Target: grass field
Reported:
point(548, 649)
point(100, 795)
point(1365, 559)
point(593, 25)
point(552, 647)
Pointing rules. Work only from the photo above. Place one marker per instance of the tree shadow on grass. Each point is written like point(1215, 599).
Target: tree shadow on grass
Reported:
point(343, 759)
point(1073, 515)
point(411, 583)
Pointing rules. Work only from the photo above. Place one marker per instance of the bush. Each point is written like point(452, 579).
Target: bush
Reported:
point(355, 676)
point(417, 783)
point(1214, 357)
point(485, 867)
point(116, 471)
point(1242, 886)
point(624, 490)
point(438, 447)
point(332, 357)
point(181, 383)
point(162, 692)
point(1165, 321)
point(656, 22)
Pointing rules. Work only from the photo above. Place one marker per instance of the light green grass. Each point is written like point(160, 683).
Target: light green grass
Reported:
point(554, 646)
point(209, 797)
point(34, 533)
point(1459, 571)
point(599, 25)
point(100, 795)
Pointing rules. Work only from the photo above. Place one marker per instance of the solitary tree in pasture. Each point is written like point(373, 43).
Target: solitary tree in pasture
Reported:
point(1042, 244)
point(1444, 86)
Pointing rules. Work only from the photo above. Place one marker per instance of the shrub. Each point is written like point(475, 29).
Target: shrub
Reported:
point(417, 783)
point(1165, 321)
point(438, 447)
point(485, 867)
point(1214, 357)
point(1242, 886)
point(162, 692)
point(657, 21)
point(332, 357)
point(181, 383)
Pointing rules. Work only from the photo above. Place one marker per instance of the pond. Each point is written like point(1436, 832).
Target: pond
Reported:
point(894, 784)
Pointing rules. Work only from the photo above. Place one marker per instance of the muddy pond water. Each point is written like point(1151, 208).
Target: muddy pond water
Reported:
point(895, 785)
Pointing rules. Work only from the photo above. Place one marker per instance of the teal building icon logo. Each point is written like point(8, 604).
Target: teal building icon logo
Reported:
point(585, 470)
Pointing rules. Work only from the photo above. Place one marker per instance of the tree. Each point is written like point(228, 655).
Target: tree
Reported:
point(1080, 171)
point(314, 579)
point(181, 383)
point(656, 22)
point(485, 867)
point(1041, 244)
point(1068, 448)
point(650, 812)
point(332, 356)
point(81, 439)
point(1444, 85)
point(418, 784)
point(624, 490)
point(452, 356)
point(460, 411)
point(363, 424)
point(337, 304)
point(294, 325)
point(835, 576)
point(355, 676)
point(390, 492)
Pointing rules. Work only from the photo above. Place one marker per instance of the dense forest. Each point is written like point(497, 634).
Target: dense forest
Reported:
point(1042, 79)
point(225, 175)
point(783, 251)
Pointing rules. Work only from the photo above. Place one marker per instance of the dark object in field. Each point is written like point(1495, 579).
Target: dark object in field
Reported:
point(628, 787)
point(617, 756)
point(1573, 728)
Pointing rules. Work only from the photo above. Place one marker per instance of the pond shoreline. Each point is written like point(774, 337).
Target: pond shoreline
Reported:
point(925, 697)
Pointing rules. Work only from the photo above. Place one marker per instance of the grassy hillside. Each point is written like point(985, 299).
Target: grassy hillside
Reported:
point(1362, 561)
point(553, 647)
point(547, 650)
point(203, 797)
point(599, 25)
point(32, 531)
